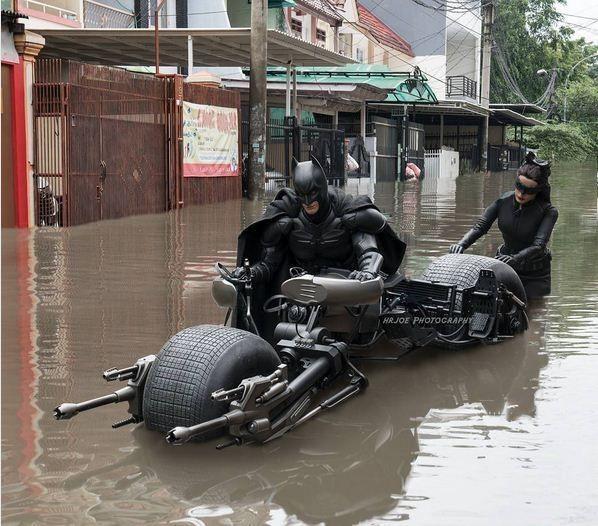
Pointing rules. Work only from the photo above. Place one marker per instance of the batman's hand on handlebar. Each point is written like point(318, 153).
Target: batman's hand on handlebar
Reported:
point(241, 273)
point(361, 275)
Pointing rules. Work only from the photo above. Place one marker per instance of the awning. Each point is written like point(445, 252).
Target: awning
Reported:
point(347, 91)
point(212, 47)
point(519, 108)
point(401, 87)
point(455, 108)
point(510, 117)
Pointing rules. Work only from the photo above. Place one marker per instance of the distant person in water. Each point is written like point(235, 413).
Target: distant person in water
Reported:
point(526, 218)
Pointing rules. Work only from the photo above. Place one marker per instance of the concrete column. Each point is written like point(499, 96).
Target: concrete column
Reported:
point(363, 118)
point(295, 105)
point(287, 112)
point(189, 55)
point(257, 99)
point(28, 46)
point(441, 130)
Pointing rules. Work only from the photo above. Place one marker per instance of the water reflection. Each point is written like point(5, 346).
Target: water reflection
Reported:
point(77, 301)
point(343, 468)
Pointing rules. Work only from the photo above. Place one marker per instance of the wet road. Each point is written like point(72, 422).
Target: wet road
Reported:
point(495, 435)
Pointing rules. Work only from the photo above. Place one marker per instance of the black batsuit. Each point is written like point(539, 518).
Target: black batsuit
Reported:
point(526, 230)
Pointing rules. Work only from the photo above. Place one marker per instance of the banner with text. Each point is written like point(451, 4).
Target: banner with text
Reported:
point(210, 141)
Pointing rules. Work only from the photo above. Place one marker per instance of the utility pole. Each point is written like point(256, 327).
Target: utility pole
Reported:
point(257, 99)
point(487, 22)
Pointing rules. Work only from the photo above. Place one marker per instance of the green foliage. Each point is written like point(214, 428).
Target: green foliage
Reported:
point(560, 141)
point(528, 34)
point(582, 108)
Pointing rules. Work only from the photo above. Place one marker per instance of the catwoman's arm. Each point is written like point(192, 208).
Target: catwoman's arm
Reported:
point(538, 246)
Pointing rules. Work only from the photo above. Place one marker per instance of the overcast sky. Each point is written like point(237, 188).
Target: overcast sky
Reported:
point(585, 8)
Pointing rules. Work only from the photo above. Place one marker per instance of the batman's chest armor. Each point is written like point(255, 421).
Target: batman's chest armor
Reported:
point(325, 243)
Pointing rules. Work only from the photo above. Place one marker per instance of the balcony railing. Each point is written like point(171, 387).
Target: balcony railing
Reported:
point(49, 9)
point(461, 86)
point(98, 15)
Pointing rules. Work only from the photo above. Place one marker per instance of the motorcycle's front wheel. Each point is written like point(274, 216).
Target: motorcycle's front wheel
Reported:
point(192, 365)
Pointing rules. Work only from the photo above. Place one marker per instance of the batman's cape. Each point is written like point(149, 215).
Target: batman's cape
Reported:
point(287, 203)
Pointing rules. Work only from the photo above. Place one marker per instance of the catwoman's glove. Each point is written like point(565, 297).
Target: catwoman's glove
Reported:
point(456, 249)
point(505, 258)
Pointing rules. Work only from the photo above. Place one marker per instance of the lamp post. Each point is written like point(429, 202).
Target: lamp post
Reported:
point(567, 82)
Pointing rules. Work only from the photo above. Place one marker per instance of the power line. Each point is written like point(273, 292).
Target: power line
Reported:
point(579, 16)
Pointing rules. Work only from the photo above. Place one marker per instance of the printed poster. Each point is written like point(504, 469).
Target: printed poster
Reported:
point(210, 141)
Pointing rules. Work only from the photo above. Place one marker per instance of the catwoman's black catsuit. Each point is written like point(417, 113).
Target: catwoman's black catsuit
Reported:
point(526, 230)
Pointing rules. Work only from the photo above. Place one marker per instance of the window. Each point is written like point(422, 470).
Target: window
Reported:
point(359, 54)
point(321, 35)
point(297, 27)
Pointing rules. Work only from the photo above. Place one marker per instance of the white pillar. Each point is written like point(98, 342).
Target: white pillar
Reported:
point(363, 119)
point(189, 55)
point(288, 91)
point(441, 130)
point(295, 105)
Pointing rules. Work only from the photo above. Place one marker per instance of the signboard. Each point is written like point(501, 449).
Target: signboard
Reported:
point(210, 141)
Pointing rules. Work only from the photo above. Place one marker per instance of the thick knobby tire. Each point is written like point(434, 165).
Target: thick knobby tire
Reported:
point(463, 270)
point(192, 365)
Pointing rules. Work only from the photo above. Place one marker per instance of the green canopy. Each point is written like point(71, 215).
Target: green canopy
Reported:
point(403, 87)
point(273, 4)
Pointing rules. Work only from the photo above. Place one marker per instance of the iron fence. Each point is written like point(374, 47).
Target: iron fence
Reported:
point(286, 140)
point(505, 157)
point(98, 15)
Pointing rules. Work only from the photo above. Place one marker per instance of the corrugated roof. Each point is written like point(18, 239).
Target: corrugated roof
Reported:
point(381, 32)
point(402, 87)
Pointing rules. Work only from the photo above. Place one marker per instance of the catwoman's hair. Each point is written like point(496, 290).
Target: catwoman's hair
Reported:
point(537, 173)
point(531, 171)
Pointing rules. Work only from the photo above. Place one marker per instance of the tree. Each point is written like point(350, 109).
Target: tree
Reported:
point(560, 141)
point(582, 108)
point(528, 36)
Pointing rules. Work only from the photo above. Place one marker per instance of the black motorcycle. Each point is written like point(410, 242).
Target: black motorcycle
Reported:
point(210, 380)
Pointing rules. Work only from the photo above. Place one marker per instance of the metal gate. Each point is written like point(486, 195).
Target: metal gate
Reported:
point(279, 141)
point(387, 147)
point(101, 143)
point(325, 144)
point(287, 140)
point(415, 136)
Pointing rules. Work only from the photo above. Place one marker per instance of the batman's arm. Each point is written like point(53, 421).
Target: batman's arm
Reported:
point(274, 244)
point(365, 224)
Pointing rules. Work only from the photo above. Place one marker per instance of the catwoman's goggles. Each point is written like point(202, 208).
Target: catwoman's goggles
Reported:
point(526, 189)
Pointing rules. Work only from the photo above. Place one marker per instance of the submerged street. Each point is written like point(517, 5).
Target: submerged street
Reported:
point(491, 435)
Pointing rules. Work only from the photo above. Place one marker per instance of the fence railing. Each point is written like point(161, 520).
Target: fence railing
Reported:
point(49, 9)
point(98, 15)
point(441, 163)
point(286, 140)
point(505, 157)
point(461, 86)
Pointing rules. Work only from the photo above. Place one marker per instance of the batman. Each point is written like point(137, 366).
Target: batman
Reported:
point(317, 227)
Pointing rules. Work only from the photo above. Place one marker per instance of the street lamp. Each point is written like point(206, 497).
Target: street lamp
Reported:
point(567, 82)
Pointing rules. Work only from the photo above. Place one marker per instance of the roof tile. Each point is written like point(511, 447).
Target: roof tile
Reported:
point(381, 32)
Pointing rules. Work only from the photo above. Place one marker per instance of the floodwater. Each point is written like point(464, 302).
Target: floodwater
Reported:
point(492, 435)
